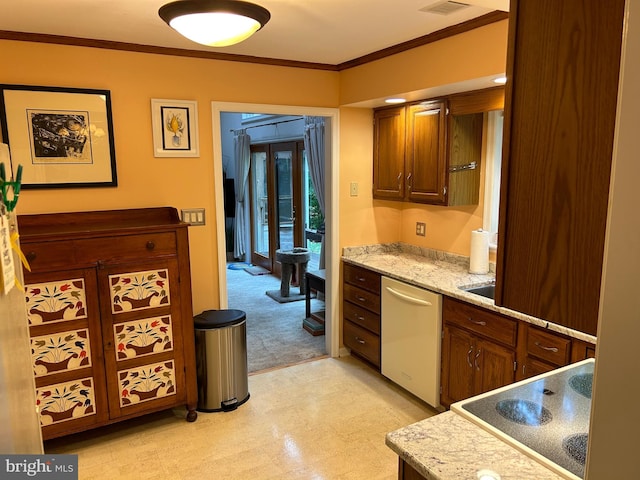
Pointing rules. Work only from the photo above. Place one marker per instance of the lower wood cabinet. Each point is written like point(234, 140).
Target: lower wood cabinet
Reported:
point(407, 472)
point(478, 351)
point(361, 313)
point(110, 316)
point(541, 350)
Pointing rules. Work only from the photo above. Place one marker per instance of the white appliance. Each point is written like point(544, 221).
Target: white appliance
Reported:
point(411, 338)
point(18, 417)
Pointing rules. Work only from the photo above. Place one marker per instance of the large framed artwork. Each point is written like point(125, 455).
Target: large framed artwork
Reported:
point(62, 137)
point(175, 128)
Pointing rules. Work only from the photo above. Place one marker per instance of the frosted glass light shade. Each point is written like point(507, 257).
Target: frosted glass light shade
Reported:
point(216, 23)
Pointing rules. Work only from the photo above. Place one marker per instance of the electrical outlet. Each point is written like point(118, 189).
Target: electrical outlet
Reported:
point(421, 229)
point(353, 189)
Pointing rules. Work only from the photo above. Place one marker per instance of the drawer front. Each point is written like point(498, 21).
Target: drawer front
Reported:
point(362, 342)
point(483, 322)
point(361, 297)
point(548, 346)
point(126, 247)
point(363, 278)
point(362, 317)
point(51, 256)
point(533, 367)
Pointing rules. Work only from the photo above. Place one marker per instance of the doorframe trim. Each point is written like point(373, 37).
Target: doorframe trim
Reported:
point(332, 174)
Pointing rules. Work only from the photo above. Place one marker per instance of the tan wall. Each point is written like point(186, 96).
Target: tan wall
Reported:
point(475, 54)
point(360, 224)
point(143, 180)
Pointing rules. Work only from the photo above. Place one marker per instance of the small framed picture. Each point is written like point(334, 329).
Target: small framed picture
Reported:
point(175, 128)
point(62, 137)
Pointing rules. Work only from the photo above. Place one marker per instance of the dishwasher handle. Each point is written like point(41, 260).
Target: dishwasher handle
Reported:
point(408, 298)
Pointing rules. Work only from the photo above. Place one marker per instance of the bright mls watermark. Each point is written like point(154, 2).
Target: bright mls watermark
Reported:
point(51, 467)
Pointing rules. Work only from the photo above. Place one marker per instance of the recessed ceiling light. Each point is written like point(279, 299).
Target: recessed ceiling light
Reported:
point(500, 80)
point(395, 100)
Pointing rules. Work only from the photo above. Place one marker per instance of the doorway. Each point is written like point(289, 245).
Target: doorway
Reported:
point(332, 256)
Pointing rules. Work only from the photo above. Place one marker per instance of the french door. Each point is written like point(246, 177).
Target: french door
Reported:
point(277, 189)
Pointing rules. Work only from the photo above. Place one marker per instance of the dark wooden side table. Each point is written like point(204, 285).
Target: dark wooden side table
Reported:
point(314, 322)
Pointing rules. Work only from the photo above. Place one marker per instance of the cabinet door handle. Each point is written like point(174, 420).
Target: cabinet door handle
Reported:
point(360, 341)
point(150, 245)
point(31, 256)
point(548, 349)
point(362, 299)
point(477, 322)
point(409, 180)
point(469, 357)
point(475, 360)
point(361, 279)
point(399, 180)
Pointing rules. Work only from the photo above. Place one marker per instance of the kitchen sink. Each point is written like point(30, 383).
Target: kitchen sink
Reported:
point(487, 291)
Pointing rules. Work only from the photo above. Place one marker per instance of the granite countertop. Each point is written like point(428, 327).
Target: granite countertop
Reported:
point(440, 272)
point(450, 447)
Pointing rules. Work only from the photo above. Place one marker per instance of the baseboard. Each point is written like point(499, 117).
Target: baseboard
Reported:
point(344, 352)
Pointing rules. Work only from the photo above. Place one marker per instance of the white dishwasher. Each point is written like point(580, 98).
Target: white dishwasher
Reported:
point(411, 338)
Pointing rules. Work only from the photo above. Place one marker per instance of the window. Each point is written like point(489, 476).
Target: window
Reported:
point(492, 173)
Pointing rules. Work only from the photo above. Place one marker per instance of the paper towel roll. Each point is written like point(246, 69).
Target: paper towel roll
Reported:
point(479, 256)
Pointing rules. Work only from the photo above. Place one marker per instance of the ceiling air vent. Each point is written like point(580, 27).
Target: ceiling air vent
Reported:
point(444, 8)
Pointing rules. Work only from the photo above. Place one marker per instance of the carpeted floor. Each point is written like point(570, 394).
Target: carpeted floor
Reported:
point(275, 336)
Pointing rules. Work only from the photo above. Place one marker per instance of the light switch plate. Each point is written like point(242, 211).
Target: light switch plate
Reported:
point(193, 216)
point(421, 229)
point(353, 189)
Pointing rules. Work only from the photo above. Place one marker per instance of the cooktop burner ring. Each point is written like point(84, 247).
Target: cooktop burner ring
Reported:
point(576, 447)
point(524, 412)
point(582, 384)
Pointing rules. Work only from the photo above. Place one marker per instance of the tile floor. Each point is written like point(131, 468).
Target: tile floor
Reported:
point(321, 420)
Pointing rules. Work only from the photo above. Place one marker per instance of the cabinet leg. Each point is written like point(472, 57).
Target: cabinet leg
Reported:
point(192, 415)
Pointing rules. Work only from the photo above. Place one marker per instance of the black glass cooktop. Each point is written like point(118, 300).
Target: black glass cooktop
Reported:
point(546, 416)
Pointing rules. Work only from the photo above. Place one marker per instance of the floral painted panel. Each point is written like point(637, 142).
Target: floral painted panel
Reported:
point(139, 290)
point(149, 382)
point(143, 337)
point(60, 352)
point(56, 301)
point(66, 401)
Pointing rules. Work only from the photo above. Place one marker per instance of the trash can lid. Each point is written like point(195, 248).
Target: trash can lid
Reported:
point(210, 319)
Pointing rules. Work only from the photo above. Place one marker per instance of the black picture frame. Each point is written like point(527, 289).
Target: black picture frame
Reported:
point(62, 137)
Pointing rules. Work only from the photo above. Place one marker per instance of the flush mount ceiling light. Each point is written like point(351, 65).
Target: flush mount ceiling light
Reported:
point(215, 23)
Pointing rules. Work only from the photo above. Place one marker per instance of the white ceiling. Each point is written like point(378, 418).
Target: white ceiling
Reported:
point(318, 31)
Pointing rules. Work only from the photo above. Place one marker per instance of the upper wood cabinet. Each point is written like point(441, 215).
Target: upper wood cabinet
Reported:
point(388, 153)
point(560, 107)
point(425, 152)
point(430, 151)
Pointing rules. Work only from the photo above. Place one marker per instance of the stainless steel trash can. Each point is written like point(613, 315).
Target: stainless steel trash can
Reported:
point(221, 359)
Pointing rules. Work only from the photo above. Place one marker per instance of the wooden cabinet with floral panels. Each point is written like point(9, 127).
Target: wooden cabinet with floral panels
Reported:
point(66, 349)
point(111, 322)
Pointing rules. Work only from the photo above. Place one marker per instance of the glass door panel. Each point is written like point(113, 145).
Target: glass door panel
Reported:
point(277, 209)
point(260, 209)
point(284, 194)
point(313, 218)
